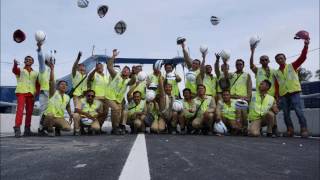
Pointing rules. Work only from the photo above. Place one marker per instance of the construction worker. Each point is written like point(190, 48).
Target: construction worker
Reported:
point(241, 88)
point(288, 88)
point(223, 77)
point(137, 111)
point(79, 84)
point(91, 110)
point(58, 103)
point(205, 112)
point(262, 111)
point(153, 80)
point(25, 92)
point(115, 91)
point(157, 124)
point(173, 79)
point(193, 66)
point(227, 113)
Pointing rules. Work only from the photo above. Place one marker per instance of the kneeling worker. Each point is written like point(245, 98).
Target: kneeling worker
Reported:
point(263, 110)
point(90, 109)
point(137, 113)
point(58, 102)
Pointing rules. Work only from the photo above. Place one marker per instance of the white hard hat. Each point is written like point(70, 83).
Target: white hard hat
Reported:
point(191, 76)
point(241, 104)
point(40, 36)
point(180, 40)
point(86, 121)
point(158, 64)
point(102, 10)
point(220, 127)
point(117, 68)
point(177, 106)
point(171, 76)
point(203, 48)
point(150, 95)
point(141, 76)
point(153, 86)
point(225, 54)
point(214, 20)
point(254, 41)
point(120, 27)
point(83, 3)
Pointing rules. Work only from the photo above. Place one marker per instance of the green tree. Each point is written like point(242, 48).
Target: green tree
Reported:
point(304, 74)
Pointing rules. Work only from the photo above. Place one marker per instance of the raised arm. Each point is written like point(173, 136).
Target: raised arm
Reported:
point(203, 65)
point(75, 64)
point(178, 78)
point(91, 78)
point(132, 81)
point(15, 68)
point(252, 66)
point(186, 56)
point(216, 65)
point(297, 63)
point(52, 87)
point(40, 58)
point(110, 63)
point(249, 89)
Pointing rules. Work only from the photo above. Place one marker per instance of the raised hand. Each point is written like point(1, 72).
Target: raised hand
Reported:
point(217, 56)
point(115, 53)
point(15, 62)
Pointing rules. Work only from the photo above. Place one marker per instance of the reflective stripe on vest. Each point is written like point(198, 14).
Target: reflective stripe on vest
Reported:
point(262, 75)
point(210, 83)
point(229, 112)
point(259, 107)
point(99, 84)
point(75, 81)
point(44, 78)
point(26, 82)
point(288, 80)
point(239, 85)
point(57, 105)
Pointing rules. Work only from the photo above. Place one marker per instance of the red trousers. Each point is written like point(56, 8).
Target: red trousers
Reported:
point(24, 100)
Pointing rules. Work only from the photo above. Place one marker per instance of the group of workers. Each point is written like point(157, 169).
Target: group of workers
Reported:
point(154, 101)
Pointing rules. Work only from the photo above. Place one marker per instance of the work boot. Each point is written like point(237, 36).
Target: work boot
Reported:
point(17, 132)
point(289, 133)
point(304, 133)
point(76, 133)
point(28, 132)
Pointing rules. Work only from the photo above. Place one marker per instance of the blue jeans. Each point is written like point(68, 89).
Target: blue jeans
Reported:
point(292, 101)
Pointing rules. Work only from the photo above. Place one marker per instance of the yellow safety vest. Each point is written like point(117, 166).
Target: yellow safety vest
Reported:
point(155, 80)
point(229, 112)
point(57, 105)
point(91, 109)
point(192, 85)
point(175, 88)
point(141, 88)
point(205, 105)
point(210, 82)
point(262, 75)
point(116, 88)
point(26, 82)
point(239, 85)
point(99, 84)
point(44, 78)
point(151, 108)
point(133, 108)
point(259, 107)
point(75, 81)
point(288, 80)
point(187, 106)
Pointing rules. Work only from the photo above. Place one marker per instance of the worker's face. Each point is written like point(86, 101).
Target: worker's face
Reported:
point(201, 90)
point(168, 68)
point(63, 86)
point(90, 97)
point(138, 69)
point(208, 69)
point(137, 98)
point(126, 71)
point(187, 95)
point(82, 69)
point(100, 68)
point(28, 61)
point(224, 67)
point(239, 65)
point(281, 59)
point(168, 88)
point(195, 65)
point(226, 96)
point(264, 60)
point(263, 86)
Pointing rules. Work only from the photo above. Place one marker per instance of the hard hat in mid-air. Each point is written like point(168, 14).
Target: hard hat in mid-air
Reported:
point(40, 36)
point(204, 49)
point(19, 36)
point(102, 10)
point(254, 41)
point(83, 3)
point(214, 20)
point(120, 27)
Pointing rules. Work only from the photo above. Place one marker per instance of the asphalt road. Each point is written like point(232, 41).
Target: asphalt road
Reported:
point(169, 157)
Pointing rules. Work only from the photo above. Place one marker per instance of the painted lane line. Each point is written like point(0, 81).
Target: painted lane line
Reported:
point(137, 165)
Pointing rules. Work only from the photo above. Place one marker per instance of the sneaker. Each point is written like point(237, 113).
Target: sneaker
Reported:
point(289, 133)
point(17, 132)
point(304, 133)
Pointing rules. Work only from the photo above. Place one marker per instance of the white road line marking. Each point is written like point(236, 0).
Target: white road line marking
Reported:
point(137, 165)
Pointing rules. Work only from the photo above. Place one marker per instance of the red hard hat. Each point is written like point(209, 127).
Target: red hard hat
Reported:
point(19, 36)
point(302, 35)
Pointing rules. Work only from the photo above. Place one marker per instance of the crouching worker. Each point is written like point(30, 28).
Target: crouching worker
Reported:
point(58, 102)
point(263, 110)
point(205, 111)
point(137, 113)
point(227, 113)
point(157, 124)
point(91, 111)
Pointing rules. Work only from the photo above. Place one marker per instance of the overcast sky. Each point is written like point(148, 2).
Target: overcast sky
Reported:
point(154, 25)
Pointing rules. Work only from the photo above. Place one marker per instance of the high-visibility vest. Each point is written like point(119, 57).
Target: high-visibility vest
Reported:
point(99, 84)
point(133, 107)
point(187, 106)
point(91, 109)
point(175, 88)
point(259, 107)
point(26, 82)
point(76, 80)
point(239, 84)
point(116, 88)
point(44, 78)
point(229, 112)
point(262, 75)
point(288, 80)
point(205, 105)
point(151, 108)
point(141, 88)
point(57, 105)
point(210, 82)
point(155, 80)
point(193, 85)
